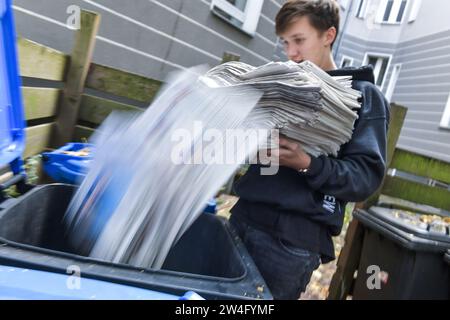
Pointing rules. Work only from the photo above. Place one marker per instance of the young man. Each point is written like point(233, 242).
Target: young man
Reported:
point(287, 220)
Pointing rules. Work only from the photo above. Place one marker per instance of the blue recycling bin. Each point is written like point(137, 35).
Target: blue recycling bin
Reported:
point(65, 165)
point(17, 282)
point(211, 206)
point(35, 254)
point(12, 123)
point(25, 284)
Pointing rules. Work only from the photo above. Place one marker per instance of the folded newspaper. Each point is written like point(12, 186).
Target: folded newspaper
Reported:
point(301, 100)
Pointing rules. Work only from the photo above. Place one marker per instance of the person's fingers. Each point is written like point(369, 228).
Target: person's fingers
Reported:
point(285, 143)
point(288, 144)
point(282, 153)
point(285, 153)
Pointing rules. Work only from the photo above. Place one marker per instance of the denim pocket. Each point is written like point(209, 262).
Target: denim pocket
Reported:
point(289, 248)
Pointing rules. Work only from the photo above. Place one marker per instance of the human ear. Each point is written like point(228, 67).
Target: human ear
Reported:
point(330, 35)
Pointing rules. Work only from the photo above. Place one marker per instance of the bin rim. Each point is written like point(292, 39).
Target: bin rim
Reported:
point(381, 213)
point(32, 248)
point(408, 240)
point(37, 285)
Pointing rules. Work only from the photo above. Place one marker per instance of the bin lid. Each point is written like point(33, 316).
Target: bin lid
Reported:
point(28, 284)
point(418, 230)
point(12, 136)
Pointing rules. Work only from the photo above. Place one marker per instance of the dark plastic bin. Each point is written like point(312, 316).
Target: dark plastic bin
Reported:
point(209, 259)
point(447, 258)
point(409, 257)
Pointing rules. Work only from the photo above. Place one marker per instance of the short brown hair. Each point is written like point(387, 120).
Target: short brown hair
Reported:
point(322, 14)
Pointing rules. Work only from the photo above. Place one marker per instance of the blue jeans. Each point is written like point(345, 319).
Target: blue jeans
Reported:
point(286, 269)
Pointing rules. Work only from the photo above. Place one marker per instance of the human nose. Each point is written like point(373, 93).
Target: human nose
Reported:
point(293, 53)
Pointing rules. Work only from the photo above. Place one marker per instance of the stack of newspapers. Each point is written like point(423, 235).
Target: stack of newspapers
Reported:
point(301, 100)
point(154, 172)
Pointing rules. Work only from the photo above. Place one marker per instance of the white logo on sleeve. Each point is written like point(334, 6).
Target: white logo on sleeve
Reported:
point(329, 203)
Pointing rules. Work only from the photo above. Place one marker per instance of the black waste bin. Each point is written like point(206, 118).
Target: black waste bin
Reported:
point(402, 257)
point(209, 259)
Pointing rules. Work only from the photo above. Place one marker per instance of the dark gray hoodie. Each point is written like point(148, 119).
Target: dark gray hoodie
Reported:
point(306, 210)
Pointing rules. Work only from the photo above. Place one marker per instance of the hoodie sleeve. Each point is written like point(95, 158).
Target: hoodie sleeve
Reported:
point(359, 169)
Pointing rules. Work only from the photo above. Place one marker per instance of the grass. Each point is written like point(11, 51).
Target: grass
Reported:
point(348, 213)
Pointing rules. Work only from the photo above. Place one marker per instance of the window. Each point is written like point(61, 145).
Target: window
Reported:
point(445, 121)
point(392, 83)
point(392, 11)
point(243, 14)
point(346, 62)
point(414, 10)
point(380, 63)
point(361, 9)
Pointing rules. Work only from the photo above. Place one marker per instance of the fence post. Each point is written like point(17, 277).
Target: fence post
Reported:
point(348, 262)
point(229, 56)
point(80, 61)
point(398, 114)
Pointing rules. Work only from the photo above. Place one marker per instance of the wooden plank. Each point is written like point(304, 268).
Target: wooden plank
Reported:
point(348, 262)
point(229, 56)
point(37, 139)
point(398, 115)
point(40, 102)
point(82, 133)
point(95, 109)
point(38, 61)
point(76, 77)
point(420, 193)
point(420, 165)
point(396, 203)
point(343, 278)
point(122, 83)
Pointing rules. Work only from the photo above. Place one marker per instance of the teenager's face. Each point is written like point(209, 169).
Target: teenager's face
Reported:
point(304, 42)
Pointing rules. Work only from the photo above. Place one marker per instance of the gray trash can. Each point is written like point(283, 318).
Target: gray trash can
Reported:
point(402, 256)
point(447, 259)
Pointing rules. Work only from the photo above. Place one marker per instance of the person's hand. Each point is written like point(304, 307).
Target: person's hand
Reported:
point(291, 155)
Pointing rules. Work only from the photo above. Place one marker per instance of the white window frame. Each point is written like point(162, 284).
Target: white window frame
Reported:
point(249, 17)
point(377, 68)
point(361, 14)
point(344, 4)
point(394, 11)
point(344, 57)
point(414, 12)
point(396, 69)
point(445, 121)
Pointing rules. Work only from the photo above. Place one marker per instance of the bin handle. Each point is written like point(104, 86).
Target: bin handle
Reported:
point(12, 181)
point(19, 180)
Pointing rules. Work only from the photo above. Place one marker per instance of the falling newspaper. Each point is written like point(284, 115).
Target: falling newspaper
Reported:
point(149, 180)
